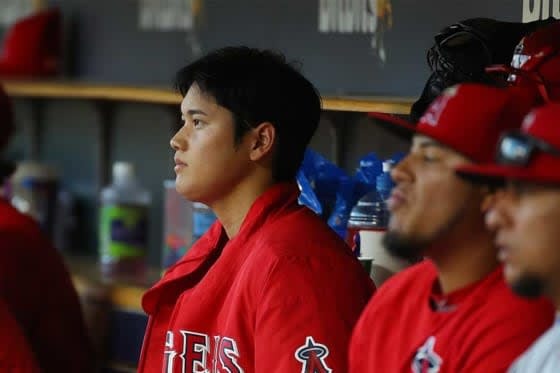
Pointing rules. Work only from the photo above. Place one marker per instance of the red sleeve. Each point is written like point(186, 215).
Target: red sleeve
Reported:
point(305, 315)
point(39, 292)
point(501, 342)
point(15, 353)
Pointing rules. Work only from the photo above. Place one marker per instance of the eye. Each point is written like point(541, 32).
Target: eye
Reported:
point(521, 189)
point(197, 123)
point(429, 158)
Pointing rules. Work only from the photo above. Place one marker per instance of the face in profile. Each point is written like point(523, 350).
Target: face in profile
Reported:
point(208, 162)
point(525, 218)
point(429, 200)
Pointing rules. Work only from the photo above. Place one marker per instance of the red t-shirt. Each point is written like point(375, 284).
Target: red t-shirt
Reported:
point(409, 326)
point(15, 353)
point(38, 291)
point(281, 296)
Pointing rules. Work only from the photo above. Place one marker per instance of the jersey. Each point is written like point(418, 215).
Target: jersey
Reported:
point(543, 356)
point(409, 326)
point(15, 353)
point(281, 296)
point(38, 291)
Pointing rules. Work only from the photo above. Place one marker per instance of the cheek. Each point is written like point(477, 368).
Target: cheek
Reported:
point(437, 204)
point(537, 241)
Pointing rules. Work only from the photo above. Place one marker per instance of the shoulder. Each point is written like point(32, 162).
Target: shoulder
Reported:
point(403, 292)
point(299, 232)
point(504, 304)
point(11, 220)
point(418, 276)
point(541, 356)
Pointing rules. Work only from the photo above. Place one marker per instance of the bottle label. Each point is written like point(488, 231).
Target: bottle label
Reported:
point(123, 231)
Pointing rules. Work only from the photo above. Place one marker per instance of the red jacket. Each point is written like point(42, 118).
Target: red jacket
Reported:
point(15, 353)
point(39, 293)
point(281, 296)
point(478, 329)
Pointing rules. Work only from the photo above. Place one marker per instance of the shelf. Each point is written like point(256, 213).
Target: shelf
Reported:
point(121, 292)
point(94, 91)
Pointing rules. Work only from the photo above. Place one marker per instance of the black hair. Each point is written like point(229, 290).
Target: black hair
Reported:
point(260, 86)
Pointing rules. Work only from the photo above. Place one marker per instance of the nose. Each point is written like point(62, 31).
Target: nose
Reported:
point(497, 211)
point(179, 140)
point(401, 171)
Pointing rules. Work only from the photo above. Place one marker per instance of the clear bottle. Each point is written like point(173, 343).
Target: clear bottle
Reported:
point(123, 224)
point(367, 226)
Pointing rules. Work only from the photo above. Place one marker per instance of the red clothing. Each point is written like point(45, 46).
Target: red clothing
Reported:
point(39, 293)
point(281, 296)
point(478, 329)
point(15, 353)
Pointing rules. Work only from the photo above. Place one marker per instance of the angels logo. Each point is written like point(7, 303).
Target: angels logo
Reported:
point(431, 117)
point(426, 359)
point(312, 356)
point(528, 121)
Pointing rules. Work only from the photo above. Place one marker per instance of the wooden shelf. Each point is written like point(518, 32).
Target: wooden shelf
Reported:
point(122, 292)
point(94, 91)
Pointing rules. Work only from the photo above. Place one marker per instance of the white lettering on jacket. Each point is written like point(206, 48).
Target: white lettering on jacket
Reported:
point(187, 352)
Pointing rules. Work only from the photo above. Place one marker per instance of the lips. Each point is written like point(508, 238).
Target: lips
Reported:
point(504, 250)
point(178, 164)
point(396, 199)
point(503, 254)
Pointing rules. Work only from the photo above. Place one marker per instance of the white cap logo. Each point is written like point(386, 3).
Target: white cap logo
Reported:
point(434, 112)
point(528, 121)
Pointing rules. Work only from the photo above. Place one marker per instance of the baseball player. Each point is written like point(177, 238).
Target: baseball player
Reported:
point(524, 216)
point(270, 287)
point(35, 285)
point(16, 355)
point(452, 312)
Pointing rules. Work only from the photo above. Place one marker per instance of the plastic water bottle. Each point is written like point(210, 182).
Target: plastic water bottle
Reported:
point(203, 218)
point(123, 228)
point(367, 226)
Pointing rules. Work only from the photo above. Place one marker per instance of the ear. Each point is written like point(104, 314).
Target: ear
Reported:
point(263, 139)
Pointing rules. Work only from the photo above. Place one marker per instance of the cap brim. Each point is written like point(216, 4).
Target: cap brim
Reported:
point(400, 126)
point(492, 174)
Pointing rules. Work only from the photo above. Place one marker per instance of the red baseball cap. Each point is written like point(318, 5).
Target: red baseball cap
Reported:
point(536, 62)
point(32, 46)
point(531, 154)
point(469, 118)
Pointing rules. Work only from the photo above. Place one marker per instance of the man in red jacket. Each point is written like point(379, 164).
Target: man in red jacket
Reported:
point(35, 285)
point(452, 312)
point(15, 353)
point(525, 216)
point(270, 287)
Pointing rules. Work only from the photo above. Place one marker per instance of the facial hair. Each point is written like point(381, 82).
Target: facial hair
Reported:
point(414, 249)
point(528, 286)
point(401, 247)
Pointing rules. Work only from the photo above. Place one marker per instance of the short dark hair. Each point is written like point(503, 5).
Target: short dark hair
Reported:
point(260, 86)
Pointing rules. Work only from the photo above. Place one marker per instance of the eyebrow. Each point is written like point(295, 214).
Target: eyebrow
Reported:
point(195, 112)
point(430, 143)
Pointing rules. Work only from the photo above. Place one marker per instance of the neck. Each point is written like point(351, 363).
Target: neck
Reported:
point(232, 209)
point(465, 258)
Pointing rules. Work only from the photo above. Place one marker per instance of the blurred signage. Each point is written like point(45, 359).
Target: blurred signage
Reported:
point(167, 15)
point(372, 17)
point(534, 10)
